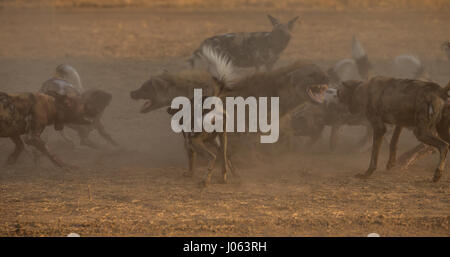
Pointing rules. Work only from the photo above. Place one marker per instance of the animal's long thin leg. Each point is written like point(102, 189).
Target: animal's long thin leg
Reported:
point(334, 136)
point(378, 133)
point(363, 141)
point(102, 131)
point(393, 147)
point(37, 142)
point(83, 133)
point(424, 135)
point(19, 147)
point(64, 136)
point(224, 157)
point(199, 145)
point(191, 154)
point(409, 157)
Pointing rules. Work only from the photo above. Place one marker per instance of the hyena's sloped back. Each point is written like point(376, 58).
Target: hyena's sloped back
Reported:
point(253, 49)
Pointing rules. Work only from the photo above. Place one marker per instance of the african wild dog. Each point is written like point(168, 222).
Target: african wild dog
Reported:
point(95, 102)
point(29, 114)
point(254, 49)
point(410, 103)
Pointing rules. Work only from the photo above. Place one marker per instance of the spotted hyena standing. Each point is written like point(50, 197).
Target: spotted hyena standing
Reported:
point(253, 49)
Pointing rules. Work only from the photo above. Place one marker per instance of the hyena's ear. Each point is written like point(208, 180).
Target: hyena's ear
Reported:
point(273, 20)
point(292, 22)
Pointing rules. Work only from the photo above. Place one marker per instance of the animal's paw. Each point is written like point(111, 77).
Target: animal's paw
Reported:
point(188, 174)
point(203, 184)
point(361, 176)
point(390, 165)
point(223, 181)
point(69, 167)
point(437, 176)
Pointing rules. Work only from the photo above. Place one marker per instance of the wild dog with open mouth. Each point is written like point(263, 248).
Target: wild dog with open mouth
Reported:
point(160, 90)
point(312, 120)
point(95, 102)
point(30, 113)
point(254, 49)
point(410, 103)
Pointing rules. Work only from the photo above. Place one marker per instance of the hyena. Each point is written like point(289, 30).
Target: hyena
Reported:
point(416, 104)
point(255, 49)
point(295, 84)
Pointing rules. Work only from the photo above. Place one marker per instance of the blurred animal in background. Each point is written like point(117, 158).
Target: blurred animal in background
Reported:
point(407, 66)
point(95, 101)
point(446, 48)
point(250, 50)
point(356, 68)
point(419, 105)
point(28, 114)
point(65, 78)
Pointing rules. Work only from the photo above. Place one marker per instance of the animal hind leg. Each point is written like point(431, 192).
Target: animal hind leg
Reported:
point(411, 156)
point(199, 145)
point(334, 136)
point(37, 142)
point(393, 147)
point(224, 157)
point(19, 147)
point(424, 135)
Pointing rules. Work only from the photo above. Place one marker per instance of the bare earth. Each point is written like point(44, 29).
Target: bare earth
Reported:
point(139, 190)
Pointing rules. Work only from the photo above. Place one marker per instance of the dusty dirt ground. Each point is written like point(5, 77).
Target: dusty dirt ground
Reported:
point(139, 190)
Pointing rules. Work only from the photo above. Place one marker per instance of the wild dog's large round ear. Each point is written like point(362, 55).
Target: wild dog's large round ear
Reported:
point(273, 20)
point(292, 22)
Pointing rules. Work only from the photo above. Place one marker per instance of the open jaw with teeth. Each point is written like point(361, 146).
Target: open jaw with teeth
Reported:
point(317, 92)
point(146, 107)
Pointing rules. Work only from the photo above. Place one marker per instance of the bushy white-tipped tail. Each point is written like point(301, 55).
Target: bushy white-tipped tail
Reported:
point(358, 51)
point(220, 66)
point(68, 72)
point(408, 66)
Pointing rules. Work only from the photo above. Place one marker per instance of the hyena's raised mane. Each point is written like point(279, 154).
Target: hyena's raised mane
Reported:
point(248, 50)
